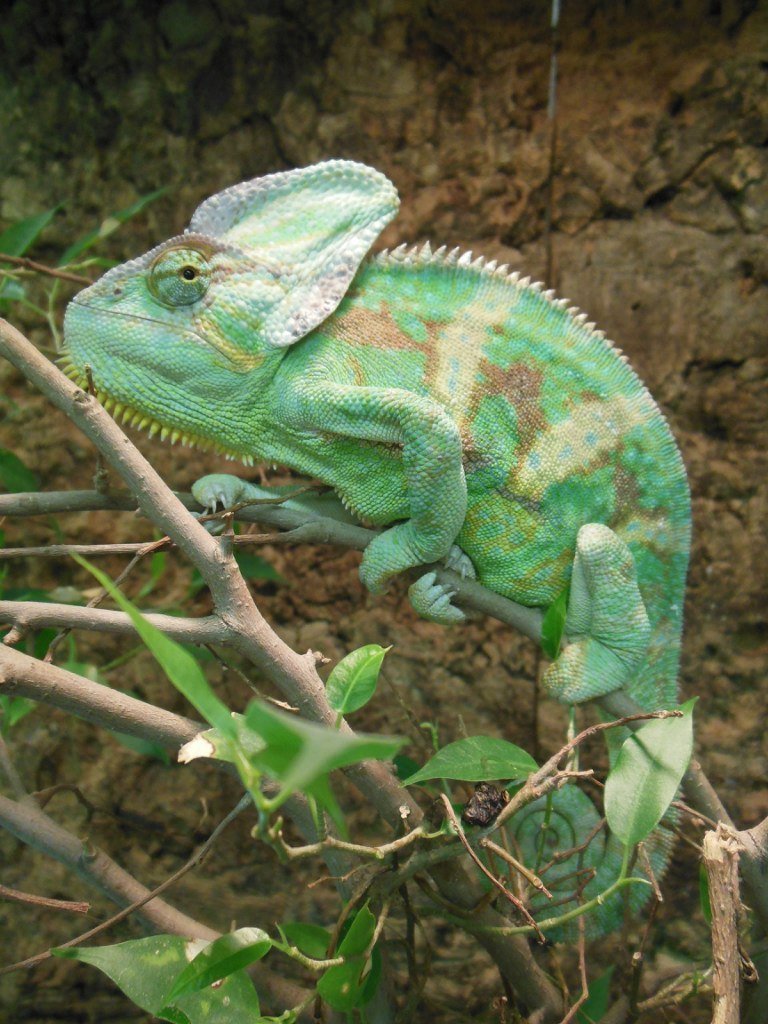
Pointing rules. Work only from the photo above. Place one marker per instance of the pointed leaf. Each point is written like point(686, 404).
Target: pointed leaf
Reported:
point(647, 773)
point(553, 625)
point(352, 683)
point(145, 969)
point(226, 955)
point(343, 986)
point(297, 752)
point(14, 475)
point(107, 226)
point(596, 1005)
point(311, 939)
point(179, 665)
point(16, 239)
point(476, 759)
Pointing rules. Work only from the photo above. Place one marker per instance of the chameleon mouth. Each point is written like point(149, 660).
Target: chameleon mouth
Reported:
point(129, 416)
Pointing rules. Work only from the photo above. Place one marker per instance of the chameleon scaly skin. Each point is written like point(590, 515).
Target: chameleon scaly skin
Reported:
point(478, 417)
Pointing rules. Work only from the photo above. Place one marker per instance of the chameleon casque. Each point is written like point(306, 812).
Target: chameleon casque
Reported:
point(479, 418)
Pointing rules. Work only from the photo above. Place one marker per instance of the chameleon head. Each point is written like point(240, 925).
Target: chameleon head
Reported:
point(187, 336)
point(174, 338)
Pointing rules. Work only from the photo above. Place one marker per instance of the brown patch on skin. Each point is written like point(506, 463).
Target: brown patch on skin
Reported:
point(521, 386)
point(373, 328)
point(358, 376)
point(626, 491)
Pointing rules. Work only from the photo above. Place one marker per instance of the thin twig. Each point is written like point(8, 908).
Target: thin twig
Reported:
point(516, 903)
point(40, 268)
point(72, 906)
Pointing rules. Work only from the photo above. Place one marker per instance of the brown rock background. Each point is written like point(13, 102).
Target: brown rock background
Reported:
point(659, 230)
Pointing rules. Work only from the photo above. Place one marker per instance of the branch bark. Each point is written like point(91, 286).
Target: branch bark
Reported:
point(721, 859)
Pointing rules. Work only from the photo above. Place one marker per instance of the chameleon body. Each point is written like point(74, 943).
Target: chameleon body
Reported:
point(479, 418)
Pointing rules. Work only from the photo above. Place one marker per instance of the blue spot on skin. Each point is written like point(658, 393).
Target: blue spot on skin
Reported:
point(566, 452)
point(534, 460)
point(591, 439)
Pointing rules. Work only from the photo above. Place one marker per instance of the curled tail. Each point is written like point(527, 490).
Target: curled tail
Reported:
point(564, 839)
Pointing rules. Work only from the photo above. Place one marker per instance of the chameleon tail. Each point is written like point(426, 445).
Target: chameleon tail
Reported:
point(567, 824)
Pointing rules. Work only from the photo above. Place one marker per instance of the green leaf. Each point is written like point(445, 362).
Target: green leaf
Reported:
point(298, 753)
point(704, 901)
point(12, 710)
point(107, 226)
point(14, 475)
point(405, 766)
point(156, 569)
point(147, 748)
point(226, 955)
point(352, 683)
point(476, 759)
point(596, 1005)
point(311, 939)
point(179, 665)
point(647, 773)
point(145, 969)
point(16, 239)
point(11, 290)
point(254, 568)
point(342, 987)
point(553, 625)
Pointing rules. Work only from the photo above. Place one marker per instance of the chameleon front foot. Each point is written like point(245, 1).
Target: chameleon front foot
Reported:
point(223, 490)
point(432, 601)
point(606, 624)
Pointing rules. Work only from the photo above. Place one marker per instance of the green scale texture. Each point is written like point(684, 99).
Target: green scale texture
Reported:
point(480, 419)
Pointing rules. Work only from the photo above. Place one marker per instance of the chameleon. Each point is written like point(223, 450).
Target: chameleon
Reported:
point(478, 418)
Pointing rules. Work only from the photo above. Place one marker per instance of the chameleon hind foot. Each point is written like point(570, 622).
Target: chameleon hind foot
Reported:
point(606, 624)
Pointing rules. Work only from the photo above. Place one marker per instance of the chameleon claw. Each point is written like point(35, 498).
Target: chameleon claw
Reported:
point(432, 600)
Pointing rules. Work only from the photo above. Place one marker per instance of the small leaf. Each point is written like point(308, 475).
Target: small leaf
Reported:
point(647, 773)
point(596, 1006)
point(108, 225)
point(298, 753)
point(341, 986)
point(145, 969)
point(232, 952)
point(16, 239)
point(352, 683)
point(179, 665)
point(553, 625)
point(14, 475)
point(476, 759)
point(147, 748)
point(156, 570)
point(12, 710)
point(254, 568)
point(311, 939)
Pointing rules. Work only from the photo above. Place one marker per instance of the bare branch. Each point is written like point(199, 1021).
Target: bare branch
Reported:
point(40, 268)
point(721, 859)
point(71, 906)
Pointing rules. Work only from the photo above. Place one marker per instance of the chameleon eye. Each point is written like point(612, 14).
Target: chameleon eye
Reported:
point(179, 276)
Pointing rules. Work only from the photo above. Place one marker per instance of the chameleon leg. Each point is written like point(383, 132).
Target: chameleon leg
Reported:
point(606, 624)
point(430, 446)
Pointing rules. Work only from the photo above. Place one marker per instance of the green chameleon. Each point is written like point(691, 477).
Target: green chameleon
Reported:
point(484, 422)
